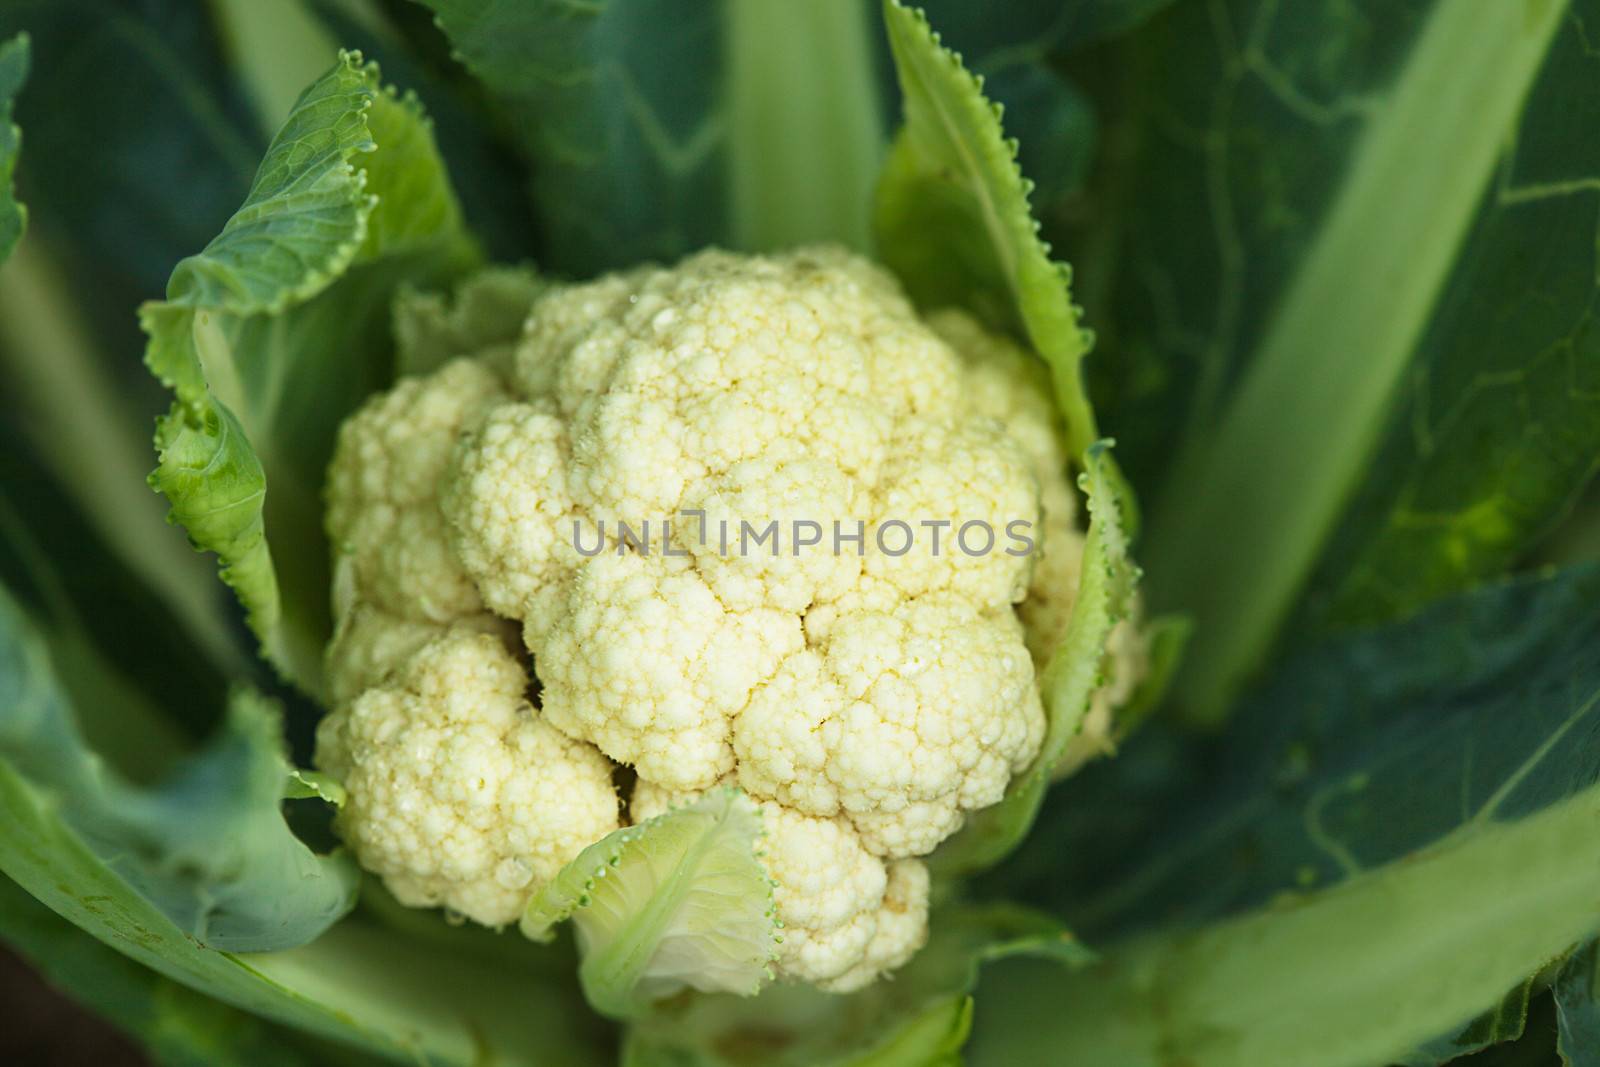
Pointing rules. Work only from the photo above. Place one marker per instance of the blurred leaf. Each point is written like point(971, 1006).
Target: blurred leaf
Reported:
point(177, 1026)
point(13, 72)
point(1577, 998)
point(279, 327)
point(1017, 59)
point(207, 858)
point(1353, 248)
point(133, 142)
point(1497, 428)
point(139, 142)
point(93, 610)
point(1355, 754)
point(486, 309)
point(208, 848)
point(1505, 1022)
point(656, 127)
point(1437, 776)
point(1387, 959)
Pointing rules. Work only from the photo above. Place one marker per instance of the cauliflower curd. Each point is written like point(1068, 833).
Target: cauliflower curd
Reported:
point(487, 524)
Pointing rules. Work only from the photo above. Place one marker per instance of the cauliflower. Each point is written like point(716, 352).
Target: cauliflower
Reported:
point(758, 525)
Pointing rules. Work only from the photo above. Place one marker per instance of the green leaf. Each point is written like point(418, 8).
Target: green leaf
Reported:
point(208, 857)
point(952, 217)
point(1398, 828)
point(1070, 679)
point(13, 72)
point(655, 127)
point(208, 848)
point(804, 145)
point(1577, 998)
point(1355, 754)
point(140, 145)
point(177, 1026)
point(919, 1018)
point(279, 327)
point(677, 902)
point(1496, 428)
point(1389, 959)
point(489, 178)
point(94, 610)
point(303, 785)
point(1506, 1021)
point(1327, 325)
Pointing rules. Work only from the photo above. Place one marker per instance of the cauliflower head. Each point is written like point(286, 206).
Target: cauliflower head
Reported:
point(756, 523)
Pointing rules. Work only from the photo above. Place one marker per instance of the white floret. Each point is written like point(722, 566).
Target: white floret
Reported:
point(458, 795)
point(901, 721)
point(646, 663)
point(739, 506)
point(960, 488)
point(383, 492)
point(370, 644)
point(509, 510)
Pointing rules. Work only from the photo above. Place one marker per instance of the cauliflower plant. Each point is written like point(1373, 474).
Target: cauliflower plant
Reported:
point(584, 499)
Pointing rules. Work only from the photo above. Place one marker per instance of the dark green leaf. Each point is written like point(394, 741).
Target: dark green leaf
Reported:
point(93, 609)
point(656, 127)
point(1353, 254)
point(139, 142)
point(13, 71)
point(1385, 961)
point(1497, 427)
point(1577, 997)
point(177, 1026)
point(1355, 754)
point(1018, 59)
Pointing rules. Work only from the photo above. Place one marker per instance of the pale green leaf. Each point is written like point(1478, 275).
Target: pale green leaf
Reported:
point(487, 309)
point(681, 901)
point(177, 1026)
point(205, 858)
